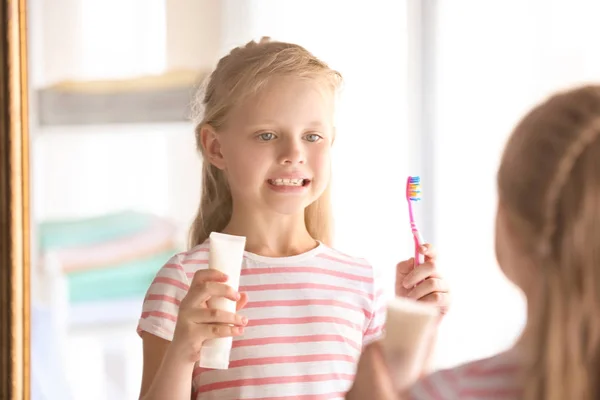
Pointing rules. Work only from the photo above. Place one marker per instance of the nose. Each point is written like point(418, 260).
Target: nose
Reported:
point(292, 152)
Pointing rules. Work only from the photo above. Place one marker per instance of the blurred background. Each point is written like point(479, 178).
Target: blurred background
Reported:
point(432, 88)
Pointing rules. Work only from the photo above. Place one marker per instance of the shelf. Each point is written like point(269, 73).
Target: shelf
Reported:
point(155, 99)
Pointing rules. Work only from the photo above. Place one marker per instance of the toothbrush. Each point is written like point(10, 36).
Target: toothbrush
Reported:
point(413, 194)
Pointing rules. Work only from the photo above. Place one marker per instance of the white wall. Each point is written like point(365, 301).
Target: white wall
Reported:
point(495, 60)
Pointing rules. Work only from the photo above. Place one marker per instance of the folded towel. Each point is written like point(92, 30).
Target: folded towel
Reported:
point(124, 280)
point(62, 234)
point(158, 237)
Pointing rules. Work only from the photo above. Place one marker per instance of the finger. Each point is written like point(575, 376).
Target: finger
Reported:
point(242, 301)
point(200, 293)
point(207, 275)
point(428, 286)
point(439, 299)
point(404, 267)
point(420, 273)
point(216, 316)
point(428, 251)
point(212, 331)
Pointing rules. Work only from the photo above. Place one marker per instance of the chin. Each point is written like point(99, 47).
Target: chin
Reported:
point(287, 207)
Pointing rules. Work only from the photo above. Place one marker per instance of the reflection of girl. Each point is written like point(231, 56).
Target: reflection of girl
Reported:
point(265, 135)
point(547, 243)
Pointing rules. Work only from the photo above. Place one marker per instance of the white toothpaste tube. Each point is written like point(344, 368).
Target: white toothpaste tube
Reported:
point(226, 255)
point(408, 336)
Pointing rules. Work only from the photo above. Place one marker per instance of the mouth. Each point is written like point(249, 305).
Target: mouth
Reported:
point(298, 182)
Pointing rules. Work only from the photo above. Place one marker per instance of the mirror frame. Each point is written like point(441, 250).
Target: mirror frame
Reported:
point(14, 204)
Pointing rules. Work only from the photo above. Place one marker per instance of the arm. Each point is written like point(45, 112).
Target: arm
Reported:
point(175, 323)
point(373, 380)
point(165, 374)
point(424, 283)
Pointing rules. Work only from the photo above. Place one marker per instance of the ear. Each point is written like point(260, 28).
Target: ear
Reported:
point(333, 134)
point(211, 146)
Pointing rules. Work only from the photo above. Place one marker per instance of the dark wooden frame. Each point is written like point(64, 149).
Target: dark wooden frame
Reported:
point(14, 204)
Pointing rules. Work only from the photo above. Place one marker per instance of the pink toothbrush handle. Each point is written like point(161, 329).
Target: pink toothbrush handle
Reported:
point(419, 258)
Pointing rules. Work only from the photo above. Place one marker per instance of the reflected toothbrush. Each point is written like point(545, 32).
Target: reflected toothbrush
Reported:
point(413, 195)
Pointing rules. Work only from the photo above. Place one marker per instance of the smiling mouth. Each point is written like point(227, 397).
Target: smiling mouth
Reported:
point(289, 182)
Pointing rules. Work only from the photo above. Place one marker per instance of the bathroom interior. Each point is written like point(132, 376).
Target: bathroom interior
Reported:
point(432, 88)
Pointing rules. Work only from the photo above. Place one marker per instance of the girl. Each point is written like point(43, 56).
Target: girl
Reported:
point(547, 243)
point(265, 137)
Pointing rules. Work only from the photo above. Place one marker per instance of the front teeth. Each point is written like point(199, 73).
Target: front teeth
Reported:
point(287, 182)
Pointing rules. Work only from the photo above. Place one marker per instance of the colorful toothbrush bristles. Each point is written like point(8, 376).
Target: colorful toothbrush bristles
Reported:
point(413, 191)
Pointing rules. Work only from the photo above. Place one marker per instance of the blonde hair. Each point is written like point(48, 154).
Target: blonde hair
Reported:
point(238, 75)
point(549, 184)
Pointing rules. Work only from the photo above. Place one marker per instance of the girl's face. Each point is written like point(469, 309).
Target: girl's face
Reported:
point(276, 145)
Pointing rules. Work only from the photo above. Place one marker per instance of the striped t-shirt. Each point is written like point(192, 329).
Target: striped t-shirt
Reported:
point(309, 317)
point(494, 378)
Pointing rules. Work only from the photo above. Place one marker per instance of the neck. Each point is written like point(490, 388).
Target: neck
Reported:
point(530, 333)
point(271, 234)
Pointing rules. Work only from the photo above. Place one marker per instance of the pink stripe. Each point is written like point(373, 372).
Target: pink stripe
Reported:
point(162, 297)
point(316, 302)
point(355, 264)
point(307, 270)
point(172, 282)
point(195, 261)
point(302, 320)
point(248, 362)
point(296, 286)
point(159, 314)
point(295, 339)
point(173, 266)
point(274, 380)
point(291, 360)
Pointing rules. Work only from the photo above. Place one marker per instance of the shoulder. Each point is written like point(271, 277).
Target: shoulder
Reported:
point(488, 377)
point(356, 269)
point(193, 259)
point(336, 256)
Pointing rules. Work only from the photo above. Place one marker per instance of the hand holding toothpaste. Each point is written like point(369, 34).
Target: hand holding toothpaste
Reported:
point(197, 323)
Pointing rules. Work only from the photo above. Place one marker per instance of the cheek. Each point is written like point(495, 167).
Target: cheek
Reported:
point(321, 164)
point(245, 169)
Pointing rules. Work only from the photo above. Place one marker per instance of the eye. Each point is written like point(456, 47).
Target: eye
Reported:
point(266, 136)
point(313, 137)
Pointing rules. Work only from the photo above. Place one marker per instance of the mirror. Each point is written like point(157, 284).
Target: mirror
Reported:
point(115, 177)
point(100, 179)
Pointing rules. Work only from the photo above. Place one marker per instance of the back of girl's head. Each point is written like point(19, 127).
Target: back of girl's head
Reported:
point(239, 75)
point(549, 186)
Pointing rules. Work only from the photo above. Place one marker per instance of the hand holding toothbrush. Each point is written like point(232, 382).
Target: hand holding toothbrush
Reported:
point(423, 282)
point(418, 278)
